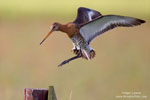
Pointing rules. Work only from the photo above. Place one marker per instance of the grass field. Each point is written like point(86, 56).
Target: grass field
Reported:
point(65, 9)
point(122, 61)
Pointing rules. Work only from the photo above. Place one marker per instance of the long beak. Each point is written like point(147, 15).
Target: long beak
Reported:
point(46, 36)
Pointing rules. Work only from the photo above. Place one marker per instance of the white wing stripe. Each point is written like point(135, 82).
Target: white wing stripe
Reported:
point(90, 14)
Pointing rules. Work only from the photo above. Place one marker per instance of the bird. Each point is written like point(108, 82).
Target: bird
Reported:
point(88, 25)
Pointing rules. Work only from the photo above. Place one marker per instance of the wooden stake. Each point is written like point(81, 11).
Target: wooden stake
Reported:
point(35, 94)
point(51, 93)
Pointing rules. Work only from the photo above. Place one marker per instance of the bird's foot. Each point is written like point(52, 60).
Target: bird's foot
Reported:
point(77, 52)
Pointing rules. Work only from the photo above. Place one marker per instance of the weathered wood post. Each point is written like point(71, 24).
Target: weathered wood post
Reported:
point(35, 94)
point(40, 94)
point(51, 93)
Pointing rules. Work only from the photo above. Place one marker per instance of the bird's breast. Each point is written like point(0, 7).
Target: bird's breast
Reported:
point(71, 29)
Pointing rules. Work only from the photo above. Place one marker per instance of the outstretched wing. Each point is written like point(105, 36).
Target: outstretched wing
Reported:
point(85, 15)
point(93, 29)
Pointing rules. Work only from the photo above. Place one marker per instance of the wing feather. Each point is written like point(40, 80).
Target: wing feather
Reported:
point(94, 28)
point(85, 15)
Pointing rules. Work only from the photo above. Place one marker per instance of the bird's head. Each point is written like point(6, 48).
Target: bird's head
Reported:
point(55, 27)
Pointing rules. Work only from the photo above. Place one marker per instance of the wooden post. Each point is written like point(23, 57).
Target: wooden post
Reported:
point(35, 94)
point(51, 93)
point(40, 94)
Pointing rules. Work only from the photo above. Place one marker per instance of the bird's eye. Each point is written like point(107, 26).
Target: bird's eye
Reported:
point(54, 27)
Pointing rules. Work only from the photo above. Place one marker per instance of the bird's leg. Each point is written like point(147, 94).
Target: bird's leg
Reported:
point(76, 51)
point(68, 60)
point(79, 53)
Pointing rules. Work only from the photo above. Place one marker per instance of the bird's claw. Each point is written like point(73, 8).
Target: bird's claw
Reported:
point(77, 52)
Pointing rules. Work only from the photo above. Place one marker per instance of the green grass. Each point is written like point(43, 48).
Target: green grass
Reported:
point(67, 8)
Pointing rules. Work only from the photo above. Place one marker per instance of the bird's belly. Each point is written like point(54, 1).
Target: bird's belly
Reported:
point(80, 44)
point(78, 41)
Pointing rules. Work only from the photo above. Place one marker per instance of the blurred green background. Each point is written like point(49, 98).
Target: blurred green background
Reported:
point(122, 61)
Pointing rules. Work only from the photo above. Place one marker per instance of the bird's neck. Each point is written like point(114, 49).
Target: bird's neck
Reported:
point(63, 28)
point(70, 28)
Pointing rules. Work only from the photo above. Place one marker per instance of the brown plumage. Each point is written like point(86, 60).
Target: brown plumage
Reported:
point(71, 29)
point(87, 26)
